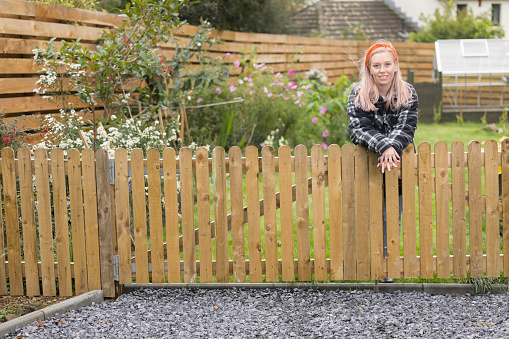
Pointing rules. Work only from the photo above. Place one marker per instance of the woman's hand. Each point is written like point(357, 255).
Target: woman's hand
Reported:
point(389, 159)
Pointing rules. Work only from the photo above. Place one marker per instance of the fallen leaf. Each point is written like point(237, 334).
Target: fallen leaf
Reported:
point(499, 309)
point(41, 324)
point(216, 308)
point(360, 308)
point(21, 336)
point(63, 322)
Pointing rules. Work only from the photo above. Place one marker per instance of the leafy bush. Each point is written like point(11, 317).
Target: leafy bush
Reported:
point(12, 134)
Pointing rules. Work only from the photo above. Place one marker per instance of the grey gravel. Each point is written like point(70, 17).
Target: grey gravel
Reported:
point(281, 313)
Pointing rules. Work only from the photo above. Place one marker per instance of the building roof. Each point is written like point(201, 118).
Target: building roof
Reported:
point(336, 18)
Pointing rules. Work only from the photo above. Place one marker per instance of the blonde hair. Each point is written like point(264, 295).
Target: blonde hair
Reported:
point(368, 93)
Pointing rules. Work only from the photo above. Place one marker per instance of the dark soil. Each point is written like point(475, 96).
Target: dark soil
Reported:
point(12, 306)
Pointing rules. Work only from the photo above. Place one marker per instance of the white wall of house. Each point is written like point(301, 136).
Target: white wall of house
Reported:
point(413, 9)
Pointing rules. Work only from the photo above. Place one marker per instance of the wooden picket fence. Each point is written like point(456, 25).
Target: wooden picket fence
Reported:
point(329, 224)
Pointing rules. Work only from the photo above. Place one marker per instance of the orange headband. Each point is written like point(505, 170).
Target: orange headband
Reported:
point(374, 47)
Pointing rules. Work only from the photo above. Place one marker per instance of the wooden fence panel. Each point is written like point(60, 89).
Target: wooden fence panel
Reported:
point(349, 243)
point(269, 214)
point(237, 215)
point(375, 218)
point(505, 204)
point(3, 273)
point(335, 212)
point(286, 213)
point(155, 215)
point(187, 199)
point(139, 216)
point(492, 199)
point(12, 226)
point(45, 224)
point(26, 194)
point(425, 210)
point(475, 209)
point(443, 193)
point(302, 206)
point(61, 223)
point(409, 181)
point(318, 201)
point(203, 205)
point(220, 214)
point(171, 213)
point(253, 214)
point(458, 210)
point(392, 224)
point(361, 217)
point(123, 216)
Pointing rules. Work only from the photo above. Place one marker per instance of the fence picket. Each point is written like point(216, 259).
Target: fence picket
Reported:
point(442, 209)
point(92, 224)
point(155, 215)
point(269, 214)
point(45, 224)
point(349, 227)
point(61, 223)
point(3, 273)
point(171, 213)
point(302, 206)
point(187, 199)
point(203, 204)
point(335, 212)
point(318, 201)
point(409, 181)
point(123, 216)
point(286, 212)
point(376, 217)
point(12, 225)
point(392, 225)
point(458, 210)
point(425, 210)
point(139, 216)
point(237, 215)
point(253, 212)
point(505, 204)
point(26, 192)
point(492, 218)
point(220, 214)
point(361, 217)
point(475, 209)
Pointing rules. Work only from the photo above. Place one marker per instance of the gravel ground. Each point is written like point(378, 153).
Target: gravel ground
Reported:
point(281, 313)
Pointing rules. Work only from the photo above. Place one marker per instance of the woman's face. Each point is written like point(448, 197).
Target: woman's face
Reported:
point(382, 68)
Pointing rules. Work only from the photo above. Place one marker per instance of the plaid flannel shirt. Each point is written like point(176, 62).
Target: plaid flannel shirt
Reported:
point(379, 130)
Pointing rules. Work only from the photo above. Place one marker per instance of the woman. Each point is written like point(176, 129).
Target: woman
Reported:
point(382, 111)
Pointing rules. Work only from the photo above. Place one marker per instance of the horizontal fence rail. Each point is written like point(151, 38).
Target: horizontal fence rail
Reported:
point(84, 220)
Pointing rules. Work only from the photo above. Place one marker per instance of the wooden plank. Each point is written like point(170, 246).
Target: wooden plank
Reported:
point(392, 217)
point(123, 216)
point(3, 273)
point(318, 201)
point(253, 210)
point(475, 209)
point(335, 212)
point(171, 213)
point(139, 216)
point(237, 215)
point(187, 202)
point(155, 215)
point(203, 204)
point(349, 226)
point(26, 46)
point(77, 222)
point(220, 213)
point(17, 66)
point(61, 223)
point(505, 203)
point(47, 11)
point(361, 206)
point(104, 222)
point(269, 214)
point(425, 210)
point(442, 209)
point(302, 206)
point(286, 212)
point(458, 210)
point(15, 7)
point(45, 222)
point(12, 225)
point(492, 198)
point(26, 192)
point(33, 104)
point(91, 222)
point(409, 181)
point(17, 85)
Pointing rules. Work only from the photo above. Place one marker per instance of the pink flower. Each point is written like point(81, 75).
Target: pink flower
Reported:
point(325, 133)
point(305, 87)
point(324, 145)
point(251, 92)
point(269, 95)
point(278, 75)
point(6, 139)
point(236, 63)
point(218, 90)
point(199, 100)
point(228, 54)
point(265, 90)
point(323, 110)
point(290, 72)
point(299, 94)
point(241, 81)
point(315, 119)
point(262, 144)
point(292, 85)
point(233, 88)
point(246, 79)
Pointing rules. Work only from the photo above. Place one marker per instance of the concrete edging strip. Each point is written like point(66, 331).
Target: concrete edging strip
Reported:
point(85, 299)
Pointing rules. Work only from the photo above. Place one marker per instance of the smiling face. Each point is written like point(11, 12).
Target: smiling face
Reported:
point(383, 67)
